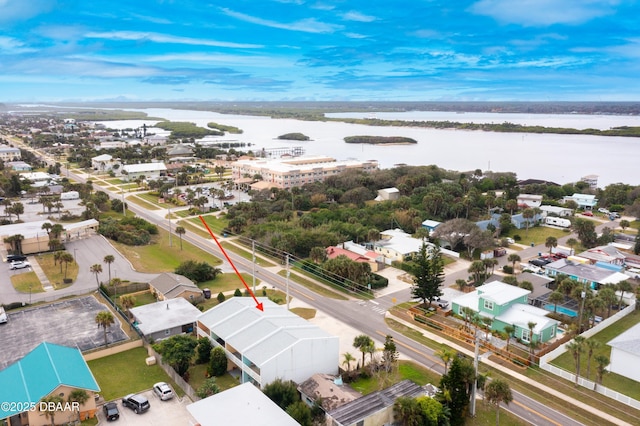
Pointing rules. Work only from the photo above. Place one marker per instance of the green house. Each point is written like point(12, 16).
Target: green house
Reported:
point(507, 305)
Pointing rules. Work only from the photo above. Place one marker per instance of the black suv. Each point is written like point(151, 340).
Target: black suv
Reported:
point(139, 404)
point(16, 258)
point(111, 411)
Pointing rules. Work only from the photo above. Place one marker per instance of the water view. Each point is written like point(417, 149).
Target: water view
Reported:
point(558, 158)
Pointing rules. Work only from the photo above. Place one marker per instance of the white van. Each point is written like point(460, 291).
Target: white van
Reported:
point(3, 315)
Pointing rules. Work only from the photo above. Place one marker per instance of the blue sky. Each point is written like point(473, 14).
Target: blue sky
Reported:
point(405, 50)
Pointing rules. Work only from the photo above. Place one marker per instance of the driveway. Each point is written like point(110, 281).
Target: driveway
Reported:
point(70, 322)
point(170, 412)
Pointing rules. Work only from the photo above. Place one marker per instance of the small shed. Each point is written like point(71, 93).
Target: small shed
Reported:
point(164, 319)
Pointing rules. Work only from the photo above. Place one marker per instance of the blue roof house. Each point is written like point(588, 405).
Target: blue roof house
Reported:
point(48, 369)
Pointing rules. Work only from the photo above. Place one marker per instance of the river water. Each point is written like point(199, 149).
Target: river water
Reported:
point(558, 158)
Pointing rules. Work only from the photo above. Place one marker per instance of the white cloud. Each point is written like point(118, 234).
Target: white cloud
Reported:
point(544, 12)
point(19, 10)
point(9, 45)
point(309, 25)
point(163, 38)
point(357, 16)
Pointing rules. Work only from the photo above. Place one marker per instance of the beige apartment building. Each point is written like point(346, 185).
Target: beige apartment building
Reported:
point(292, 172)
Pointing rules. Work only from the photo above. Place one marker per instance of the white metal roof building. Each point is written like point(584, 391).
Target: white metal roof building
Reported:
point(270, 344)
point(148, 170)
point(166, 318)
point(240, 405)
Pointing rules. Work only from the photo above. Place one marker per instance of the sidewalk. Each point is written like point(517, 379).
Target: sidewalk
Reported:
point(40, 274)
point(515, 375)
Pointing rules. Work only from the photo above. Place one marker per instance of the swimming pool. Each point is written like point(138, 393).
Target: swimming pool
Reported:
point(561, 309)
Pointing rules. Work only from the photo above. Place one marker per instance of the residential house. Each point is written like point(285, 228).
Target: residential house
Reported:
point(49, 369)
point(155, 140)
point(388, 194)
point(529, 200)
point(395, 244)
point(38, 179)
point(431, 225)
point(584, 201)
point(585, 273)
point(329, 390)
point(150, 171)
point(240, 405)
point(625, 353)
point(556, 211)
point(102, 162)
point(375, 408)
point(166, 318)
point(520, 222)
point(357, 253)
point(169, 285)
point(264, 345)
point(506, 305)
point(180, 153)
point(18, 166)
point(605, 254)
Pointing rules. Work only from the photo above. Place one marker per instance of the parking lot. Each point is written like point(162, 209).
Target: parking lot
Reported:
point(69, 322)
point(170, 412)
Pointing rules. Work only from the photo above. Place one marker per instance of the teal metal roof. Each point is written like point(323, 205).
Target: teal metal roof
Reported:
point(40, 372)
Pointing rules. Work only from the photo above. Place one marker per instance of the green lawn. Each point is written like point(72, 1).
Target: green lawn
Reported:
point(197, 376)
point(161, 257)
point(613, 381)
point(126, 372)
point(406, 370)
point(240, 251)
point(26, 282)
point(142, 203)
point(306, 313)
point(53, 271)
point(536, 234)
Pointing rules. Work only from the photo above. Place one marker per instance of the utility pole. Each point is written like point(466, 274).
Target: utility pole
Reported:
point(253, 254)
point(476, 355)
point(170, 245)
point(287, 265)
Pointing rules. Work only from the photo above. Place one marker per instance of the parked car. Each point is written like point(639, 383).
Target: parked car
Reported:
point(538, 262)
point(603, 210)
point(510, 240)
point(3, 316)
point(163, 391)
point(19, 265)
point(111, 411)
point(206, 293)
point(16, 258)
point(139, 404)
point(587, 213)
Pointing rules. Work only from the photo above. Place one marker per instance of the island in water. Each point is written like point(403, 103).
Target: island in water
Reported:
point(380, 140)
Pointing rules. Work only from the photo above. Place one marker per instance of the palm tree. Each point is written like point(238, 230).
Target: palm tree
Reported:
point(66, 258)
point(572, 242)
point(109, 259)
point(128, 301)
point(496, 392)
point(446, 355)
point(622, 287)
point(348, 358)
point(105, 319)
point(576, 348)
point(80, 396)
point(50, 404)
point(513, 258)
point(96, 269)
point(608, 295)
point(592, 345)
point(602, 362)
point(180, 231)
point(551, 243)
point(555, 298)
point(487, 321)
point(362, 343)
point(467, 314)
point(509, 329)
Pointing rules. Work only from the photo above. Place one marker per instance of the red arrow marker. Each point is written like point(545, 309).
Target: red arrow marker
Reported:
point(258, 305)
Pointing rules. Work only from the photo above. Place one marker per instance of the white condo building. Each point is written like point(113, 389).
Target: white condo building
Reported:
point(297, 171)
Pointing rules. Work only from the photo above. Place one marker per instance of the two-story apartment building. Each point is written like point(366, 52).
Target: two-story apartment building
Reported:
point(584, 201)
point(506, 305)
point(529, 200)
